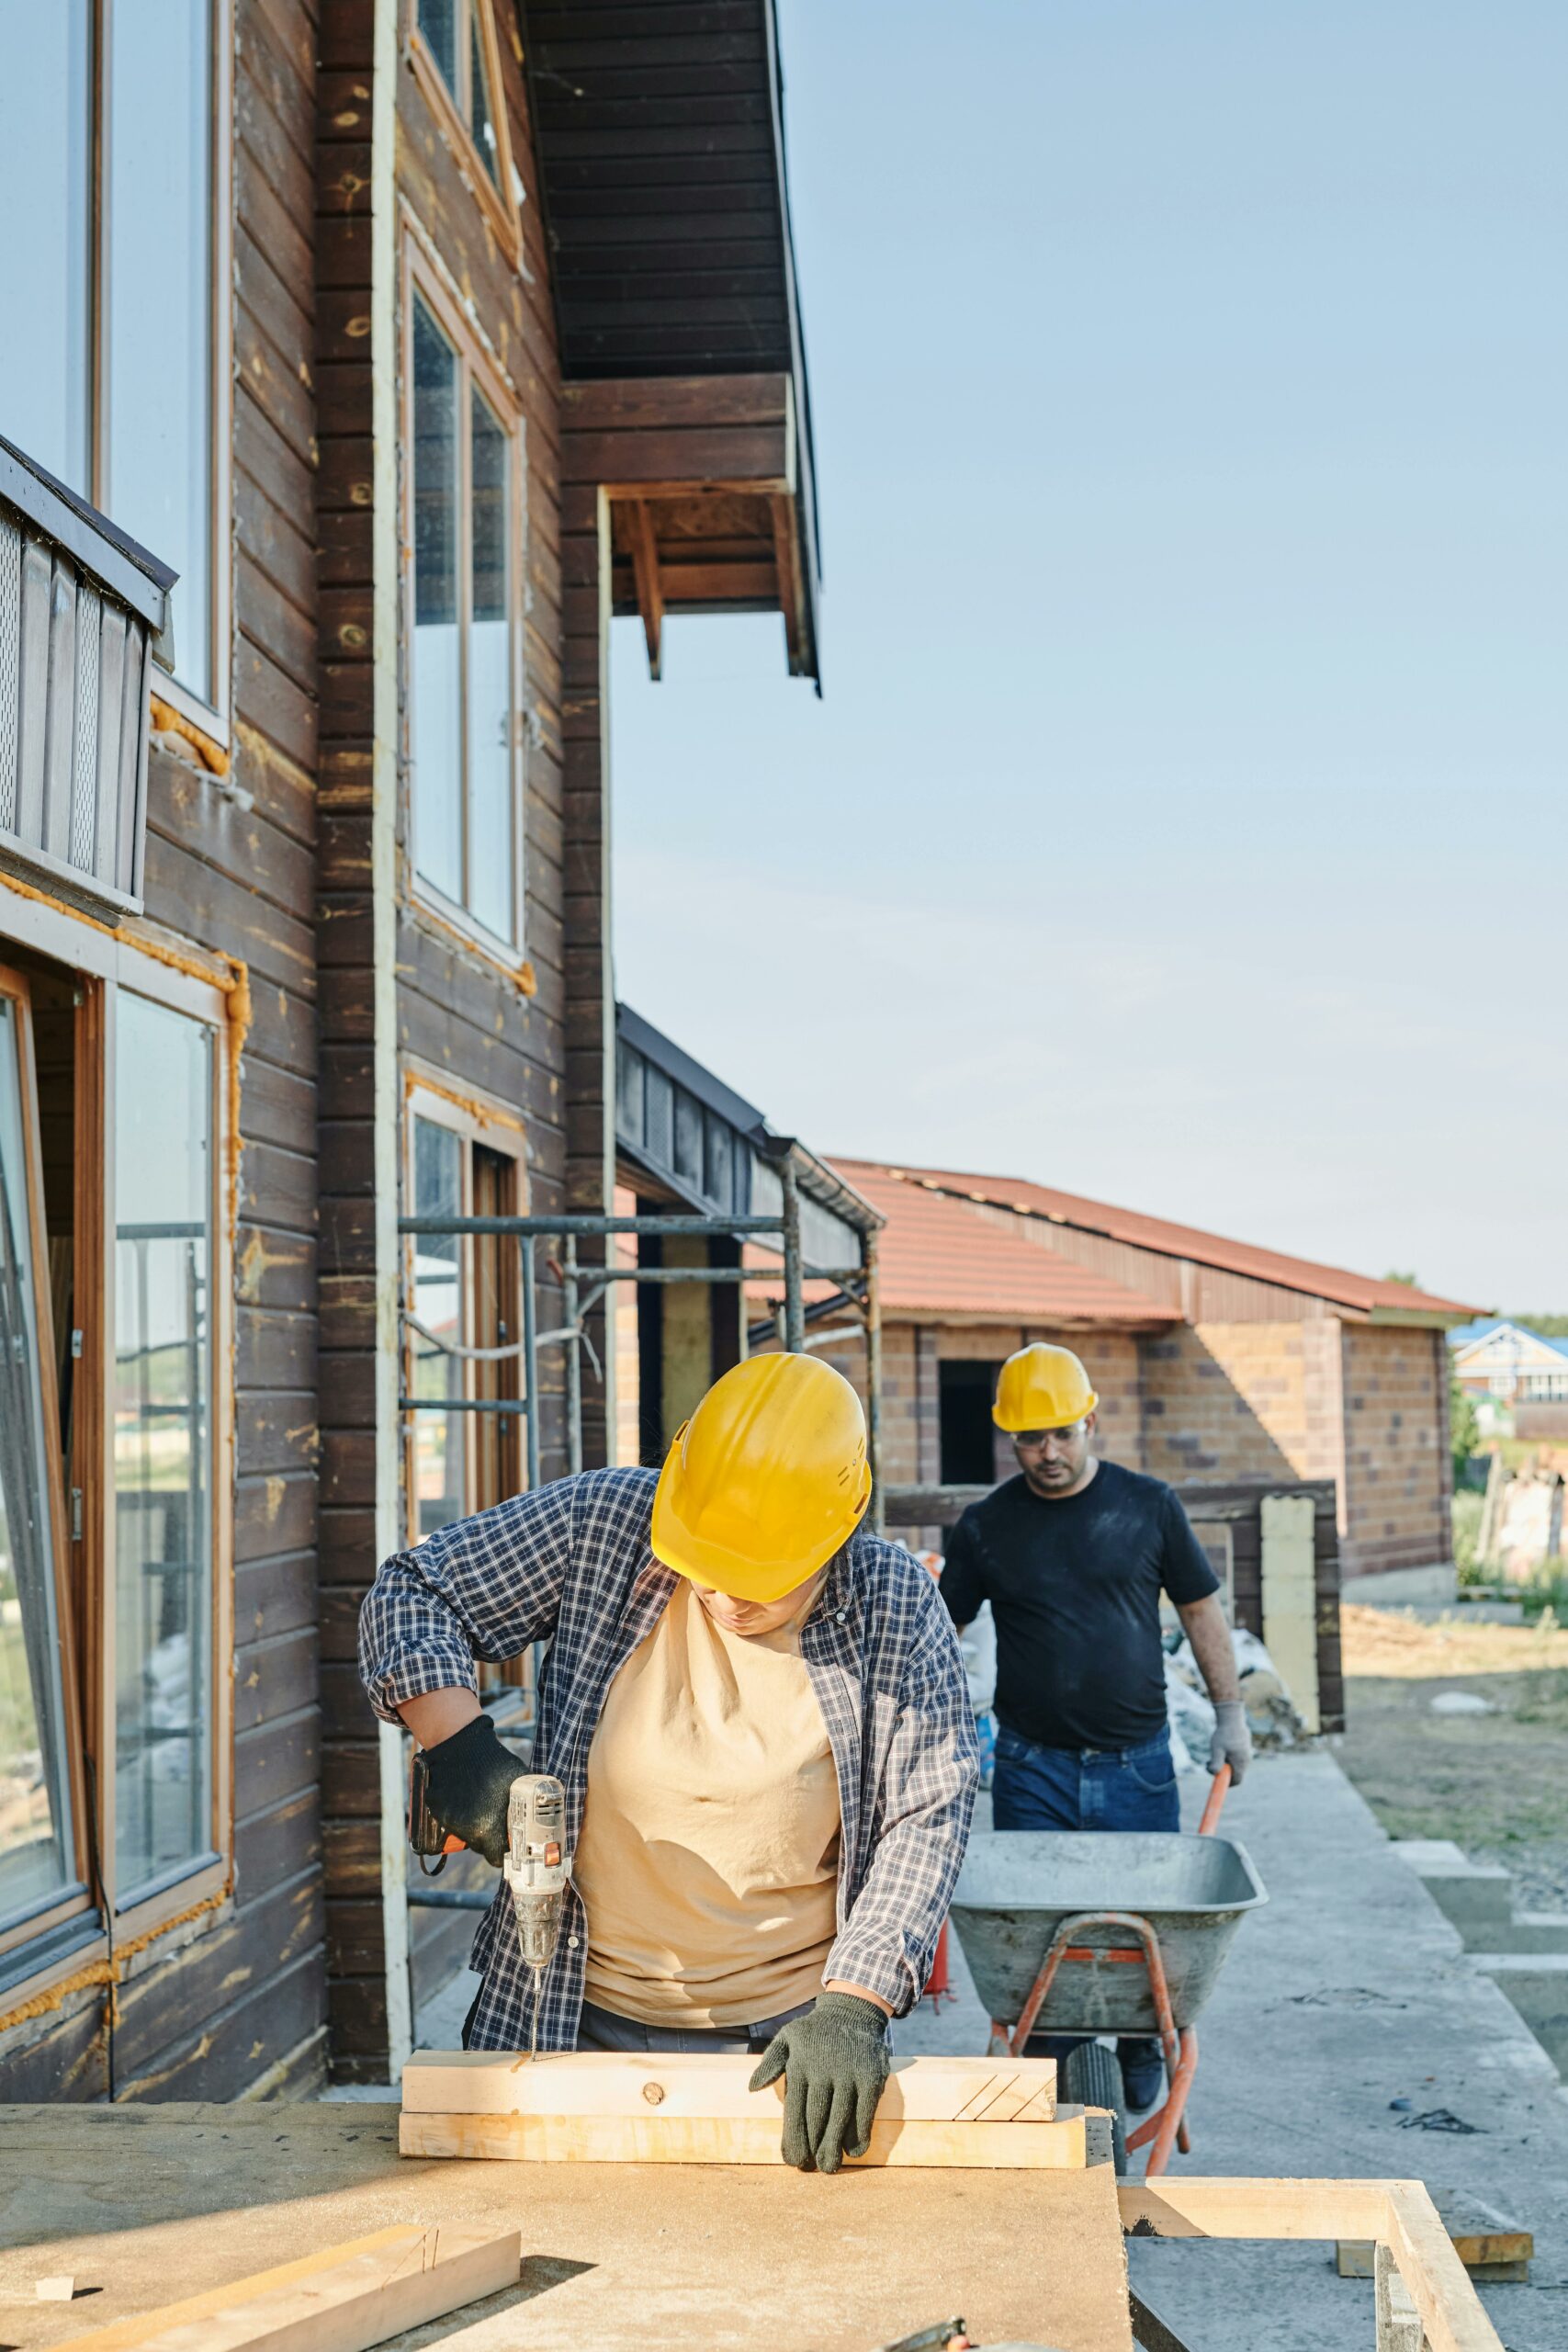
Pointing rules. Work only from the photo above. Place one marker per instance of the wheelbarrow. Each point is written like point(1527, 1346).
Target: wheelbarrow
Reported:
point(1078, 1932)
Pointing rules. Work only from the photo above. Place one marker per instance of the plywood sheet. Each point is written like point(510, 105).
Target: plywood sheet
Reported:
point(135, 2199)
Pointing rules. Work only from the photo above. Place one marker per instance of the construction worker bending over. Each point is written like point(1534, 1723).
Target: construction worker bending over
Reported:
point(1072, 1557)
point(760, 1720)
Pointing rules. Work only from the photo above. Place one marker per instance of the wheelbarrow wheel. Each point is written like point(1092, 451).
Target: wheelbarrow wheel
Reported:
point(1091, 2076)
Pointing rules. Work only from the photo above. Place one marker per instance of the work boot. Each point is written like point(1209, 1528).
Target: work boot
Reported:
point(1142, 2073)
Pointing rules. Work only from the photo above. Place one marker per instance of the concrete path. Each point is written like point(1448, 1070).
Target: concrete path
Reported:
point(1349, 1990)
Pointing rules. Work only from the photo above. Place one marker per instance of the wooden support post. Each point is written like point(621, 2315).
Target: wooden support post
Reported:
point(644, 569)
point(342, 2300)
point(1287, 1572)
point(782, 506)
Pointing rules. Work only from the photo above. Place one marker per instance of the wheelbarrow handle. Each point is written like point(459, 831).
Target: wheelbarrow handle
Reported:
point(1210, 1820)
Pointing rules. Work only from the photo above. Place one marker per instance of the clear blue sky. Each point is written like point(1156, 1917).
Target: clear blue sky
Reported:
point(1185, 818)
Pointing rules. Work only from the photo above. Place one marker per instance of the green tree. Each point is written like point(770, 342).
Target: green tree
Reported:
point(1551, 1327)
point(1464, 1432)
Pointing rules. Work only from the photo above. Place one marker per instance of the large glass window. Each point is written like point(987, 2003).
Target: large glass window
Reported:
point(37, 1865)
point(163, 1445)
point(463, 730)
point(107, 367)
point(158, 470)
point(455, 34)
point(46, 131)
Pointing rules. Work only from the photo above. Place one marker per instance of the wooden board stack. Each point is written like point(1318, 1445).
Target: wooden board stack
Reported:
point(594, 2106)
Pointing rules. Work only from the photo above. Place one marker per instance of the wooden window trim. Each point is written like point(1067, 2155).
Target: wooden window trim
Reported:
point(81, 1899)
point(422, 276)
point(107, 961)
point(453, 110)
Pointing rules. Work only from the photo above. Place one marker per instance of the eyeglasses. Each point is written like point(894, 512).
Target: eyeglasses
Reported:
point(1031, 1441)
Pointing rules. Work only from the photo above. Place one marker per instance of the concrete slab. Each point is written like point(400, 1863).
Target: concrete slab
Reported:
point(1537, 1984)
point(1349, 1991)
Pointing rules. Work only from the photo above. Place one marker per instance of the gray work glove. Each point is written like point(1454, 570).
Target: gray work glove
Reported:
point(1232, 1743)
point(835, 2064)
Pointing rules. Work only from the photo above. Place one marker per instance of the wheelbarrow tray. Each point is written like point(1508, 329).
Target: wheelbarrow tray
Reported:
point(1017, 1885)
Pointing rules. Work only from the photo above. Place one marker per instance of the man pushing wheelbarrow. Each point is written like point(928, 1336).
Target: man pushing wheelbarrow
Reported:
point(1073, 1556)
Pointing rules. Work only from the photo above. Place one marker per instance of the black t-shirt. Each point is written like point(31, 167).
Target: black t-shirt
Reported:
point(1074, 1584)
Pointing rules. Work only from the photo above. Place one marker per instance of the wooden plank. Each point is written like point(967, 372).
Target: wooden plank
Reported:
point(1429, 2263)
point(1058, 2146)
point(342, 2300)
point(713, 2088)
point(645, 566)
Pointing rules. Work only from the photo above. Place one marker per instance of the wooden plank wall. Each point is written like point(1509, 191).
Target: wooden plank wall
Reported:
point(236, 870)
point(459, 1014)
point(235, 1997)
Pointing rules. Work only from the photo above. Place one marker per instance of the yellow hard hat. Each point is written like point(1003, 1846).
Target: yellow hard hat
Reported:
point(1041, 1388)
point(766, 1481)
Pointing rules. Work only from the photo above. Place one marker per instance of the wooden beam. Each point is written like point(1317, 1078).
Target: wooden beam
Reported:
point(597, 2107)
point(645, 567)
point(791, 604)
point(345, 2298)
point(1398, 2215)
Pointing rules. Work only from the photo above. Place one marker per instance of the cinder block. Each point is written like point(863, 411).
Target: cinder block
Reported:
point(1530, 1932)
point(1536, 1984)
point(1478, 1899)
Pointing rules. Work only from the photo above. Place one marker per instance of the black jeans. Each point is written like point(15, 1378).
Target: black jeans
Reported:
point(602, 2029)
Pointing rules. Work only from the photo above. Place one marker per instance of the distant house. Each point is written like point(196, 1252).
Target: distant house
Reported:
point(1216, 1362)
point(1509, 1362)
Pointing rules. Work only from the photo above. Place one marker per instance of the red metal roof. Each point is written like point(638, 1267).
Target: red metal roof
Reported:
point(887, 1185)
point(936, 1255)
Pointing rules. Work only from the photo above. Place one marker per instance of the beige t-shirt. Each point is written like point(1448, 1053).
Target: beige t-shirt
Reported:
point(708, 1859)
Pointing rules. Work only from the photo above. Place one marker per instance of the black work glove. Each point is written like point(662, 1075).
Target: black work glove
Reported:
point(467, 1779)
point(835, 2065)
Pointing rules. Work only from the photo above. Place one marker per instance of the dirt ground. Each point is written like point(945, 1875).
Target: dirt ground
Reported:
point(1495, 1783)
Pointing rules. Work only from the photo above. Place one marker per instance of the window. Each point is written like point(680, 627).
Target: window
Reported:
point(113, 385)
point(37, 1831)
point(114, 1716)
point(968, 1433)
point(462, 1328)
point(462, 688)
point(457, 62)
point(162, 1440)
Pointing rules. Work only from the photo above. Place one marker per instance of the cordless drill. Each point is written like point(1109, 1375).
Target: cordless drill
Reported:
point(536, 1865)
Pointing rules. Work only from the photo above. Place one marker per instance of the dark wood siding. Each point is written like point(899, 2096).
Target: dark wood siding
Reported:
point(235, 1997)
point(481, 1030)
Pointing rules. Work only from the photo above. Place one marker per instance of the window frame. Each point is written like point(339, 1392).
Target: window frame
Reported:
point(212, 719)
point(103, 963)
point(78, 1899)
point(423, 279)
point(453, 110)
point(176, 991)
point(477, 1120)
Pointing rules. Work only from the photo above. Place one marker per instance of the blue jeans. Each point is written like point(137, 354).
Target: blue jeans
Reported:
point(1090, 1788)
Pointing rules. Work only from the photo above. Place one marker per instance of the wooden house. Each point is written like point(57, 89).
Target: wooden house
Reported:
point(416, 339)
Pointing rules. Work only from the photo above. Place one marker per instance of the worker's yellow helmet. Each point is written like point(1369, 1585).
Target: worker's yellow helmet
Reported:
point(766, 1481)
point(1041, 1388)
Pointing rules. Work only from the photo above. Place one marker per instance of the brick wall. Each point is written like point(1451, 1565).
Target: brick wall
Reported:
point(1393, 1500)
point(1232, 1401)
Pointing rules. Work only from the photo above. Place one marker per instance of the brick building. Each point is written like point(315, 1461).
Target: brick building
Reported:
point(1216, 1362)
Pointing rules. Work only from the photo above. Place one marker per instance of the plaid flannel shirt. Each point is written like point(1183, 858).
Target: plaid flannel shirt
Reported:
point(569, 1564)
